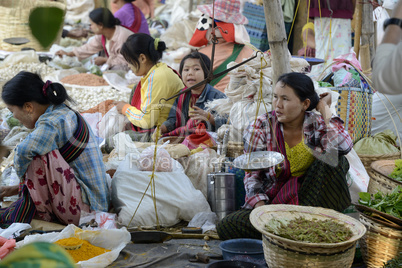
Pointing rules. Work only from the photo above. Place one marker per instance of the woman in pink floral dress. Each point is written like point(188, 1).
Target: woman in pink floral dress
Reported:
point(59, 162)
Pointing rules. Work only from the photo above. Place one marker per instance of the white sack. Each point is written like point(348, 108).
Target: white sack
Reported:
point(176, 197)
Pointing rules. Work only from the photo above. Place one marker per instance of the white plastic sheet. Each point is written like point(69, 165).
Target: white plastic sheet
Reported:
point(114, 240)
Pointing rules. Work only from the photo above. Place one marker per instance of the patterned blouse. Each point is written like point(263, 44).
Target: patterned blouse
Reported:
point(52, 130)
point(326, 142)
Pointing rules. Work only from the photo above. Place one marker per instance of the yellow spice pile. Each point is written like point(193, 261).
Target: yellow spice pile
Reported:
point(85, 252)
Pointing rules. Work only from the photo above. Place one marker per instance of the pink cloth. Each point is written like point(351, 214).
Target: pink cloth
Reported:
point(54, 190)
point(94, 45)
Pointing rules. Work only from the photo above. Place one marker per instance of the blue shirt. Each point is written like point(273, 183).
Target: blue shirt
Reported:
point(52, 130)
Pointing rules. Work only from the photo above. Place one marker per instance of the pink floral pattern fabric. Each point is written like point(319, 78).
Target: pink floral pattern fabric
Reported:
point(54, 190)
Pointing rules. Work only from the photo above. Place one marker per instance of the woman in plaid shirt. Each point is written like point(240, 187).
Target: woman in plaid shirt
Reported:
point(59, 163)
point(314, 144)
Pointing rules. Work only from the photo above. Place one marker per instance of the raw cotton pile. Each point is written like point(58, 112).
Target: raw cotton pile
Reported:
point(84, 79)
point(243, 92)
point(10, 71)
point(88, 98)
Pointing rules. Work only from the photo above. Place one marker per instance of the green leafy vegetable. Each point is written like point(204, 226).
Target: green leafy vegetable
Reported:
point(312, 231)
point(394, 263)
point(387, 203)
point(96, 70)
point(397, 173)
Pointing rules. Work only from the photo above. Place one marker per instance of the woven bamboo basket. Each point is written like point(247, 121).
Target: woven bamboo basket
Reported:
point(379, 177)
point(282, 252)
point(367, 159)
point(380, 243)
point(14, 15)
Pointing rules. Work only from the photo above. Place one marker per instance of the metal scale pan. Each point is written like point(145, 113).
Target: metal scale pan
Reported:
point(258, 160)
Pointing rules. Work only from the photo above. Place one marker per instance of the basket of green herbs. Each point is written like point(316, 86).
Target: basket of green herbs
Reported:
point(382, 215)
point(387, 205)
point(302, 236)
point(385, 175)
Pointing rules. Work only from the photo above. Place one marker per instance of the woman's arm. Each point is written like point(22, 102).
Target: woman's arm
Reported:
point(387, 61)
point(255, 139)
point(330, 140)
point(170, 123)
point(39, 142)
point(93, 46)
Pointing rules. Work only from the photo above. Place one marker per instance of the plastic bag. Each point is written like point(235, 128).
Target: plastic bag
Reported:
point(163, 160)
point(28, 56)
point(117, 81)
point(114, 240)
point(9, 177)
point(14, 230)
point(112, 123)
point(205, 220)
point(357, 177)
point(197, 166)
point(97, 220)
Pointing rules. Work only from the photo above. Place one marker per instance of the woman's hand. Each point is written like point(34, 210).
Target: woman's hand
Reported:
point(119, 106)
point(8, 191)
point(100, 60)
point(259, 204)
point(325, 100)
point(60, 53)
point(201, 115)
point(163, 129)
point(323, 106)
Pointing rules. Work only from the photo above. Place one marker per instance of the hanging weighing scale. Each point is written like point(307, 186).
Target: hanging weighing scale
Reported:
point(258, 160)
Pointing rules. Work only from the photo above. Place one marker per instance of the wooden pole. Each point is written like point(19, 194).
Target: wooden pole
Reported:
point(277, 38)
point(358, 27)
point(367, 37)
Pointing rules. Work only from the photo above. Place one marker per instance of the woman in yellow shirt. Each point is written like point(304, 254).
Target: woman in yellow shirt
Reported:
point(158, 81)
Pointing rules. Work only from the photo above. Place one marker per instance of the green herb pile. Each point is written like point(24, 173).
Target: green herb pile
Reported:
point(387, 203)
point(397, 173)
point(312, 231)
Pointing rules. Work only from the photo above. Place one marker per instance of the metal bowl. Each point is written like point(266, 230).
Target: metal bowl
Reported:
point(258, 160)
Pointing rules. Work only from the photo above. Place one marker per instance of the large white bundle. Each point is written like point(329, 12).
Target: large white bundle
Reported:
point(243, 112)
point(176, 197)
